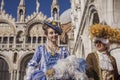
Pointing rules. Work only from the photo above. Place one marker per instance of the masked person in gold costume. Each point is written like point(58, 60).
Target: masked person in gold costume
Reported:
point(101, 64)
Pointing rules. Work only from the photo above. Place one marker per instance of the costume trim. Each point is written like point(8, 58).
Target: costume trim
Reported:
point(100, 71)
point(100, 75)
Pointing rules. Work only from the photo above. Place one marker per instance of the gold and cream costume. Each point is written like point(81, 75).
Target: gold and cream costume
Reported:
point(101, 66)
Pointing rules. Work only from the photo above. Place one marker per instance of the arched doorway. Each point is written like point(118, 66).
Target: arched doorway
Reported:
point(23, 66)
point(4, 70)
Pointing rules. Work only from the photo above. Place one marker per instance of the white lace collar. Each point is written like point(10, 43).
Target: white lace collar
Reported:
point(104, 61)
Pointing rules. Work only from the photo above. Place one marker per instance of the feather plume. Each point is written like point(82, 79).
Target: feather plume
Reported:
point(69, 68)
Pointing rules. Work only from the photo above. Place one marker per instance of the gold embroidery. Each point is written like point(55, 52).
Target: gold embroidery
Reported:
point(102, 74)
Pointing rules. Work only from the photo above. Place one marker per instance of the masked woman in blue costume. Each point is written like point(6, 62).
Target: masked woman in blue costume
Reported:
point(46, 56)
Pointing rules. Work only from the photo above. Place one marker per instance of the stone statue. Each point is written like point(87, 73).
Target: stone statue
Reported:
point(2, 5)
point(37, 6)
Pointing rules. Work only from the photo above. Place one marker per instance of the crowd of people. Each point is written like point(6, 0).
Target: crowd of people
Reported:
point(53, 62)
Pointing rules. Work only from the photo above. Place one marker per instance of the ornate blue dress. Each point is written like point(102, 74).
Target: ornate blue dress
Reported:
point(44, 61)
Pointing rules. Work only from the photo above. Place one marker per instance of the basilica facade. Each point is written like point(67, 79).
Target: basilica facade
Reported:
point(19, 38)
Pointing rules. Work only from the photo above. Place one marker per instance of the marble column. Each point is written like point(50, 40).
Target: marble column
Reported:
point(14, 41)
point(31, 41)
point(8, 41)
point(18, 74)
point(42, 40)
point(14, 74)
point(11, 75)
point(24, 39)
point(36, 43)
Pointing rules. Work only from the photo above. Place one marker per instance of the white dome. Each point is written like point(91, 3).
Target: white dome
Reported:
point(65, 17)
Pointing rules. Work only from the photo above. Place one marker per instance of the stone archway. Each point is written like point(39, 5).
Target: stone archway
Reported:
point(93, 15)
point(23, 66)
point(4, 70)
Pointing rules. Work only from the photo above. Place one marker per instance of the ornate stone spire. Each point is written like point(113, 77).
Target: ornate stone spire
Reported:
point(2, 5)
point(21, 11)
point(55, 10)
point(22, 2)
point(55, 2)
point(37, 6)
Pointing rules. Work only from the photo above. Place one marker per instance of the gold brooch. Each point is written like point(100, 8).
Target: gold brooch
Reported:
point(53, 53)
point(54, 23)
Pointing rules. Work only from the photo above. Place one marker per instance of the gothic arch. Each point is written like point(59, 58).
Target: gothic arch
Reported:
point(22, 57)
point(33, 24)
point(10, 23)
point(7, 60)
point(93, 14)
point(5, 68)
point(22, 65)
point(90, 15)
point(92, 18)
